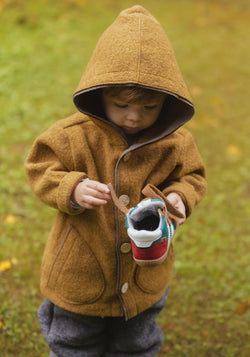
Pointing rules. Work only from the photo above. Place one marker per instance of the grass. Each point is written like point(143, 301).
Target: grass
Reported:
point(44, 48)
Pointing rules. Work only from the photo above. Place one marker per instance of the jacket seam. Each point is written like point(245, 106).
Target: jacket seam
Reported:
point(139, 48)
point(58, 251)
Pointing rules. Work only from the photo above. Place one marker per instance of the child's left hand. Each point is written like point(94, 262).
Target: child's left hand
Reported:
point(177, 202)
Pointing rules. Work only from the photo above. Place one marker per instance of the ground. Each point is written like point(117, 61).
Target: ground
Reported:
point(44, 49)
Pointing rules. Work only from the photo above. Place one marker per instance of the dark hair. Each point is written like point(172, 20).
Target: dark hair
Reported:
point(132, 93)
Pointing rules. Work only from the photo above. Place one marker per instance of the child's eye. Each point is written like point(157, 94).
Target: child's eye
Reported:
point(118, 105)
point(150, 107)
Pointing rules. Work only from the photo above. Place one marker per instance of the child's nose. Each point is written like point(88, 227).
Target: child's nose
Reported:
point(133, 115)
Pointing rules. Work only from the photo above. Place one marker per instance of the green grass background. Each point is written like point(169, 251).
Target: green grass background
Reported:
point(44, 47)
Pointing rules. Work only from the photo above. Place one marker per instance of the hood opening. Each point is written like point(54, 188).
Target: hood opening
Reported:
point(175, 112)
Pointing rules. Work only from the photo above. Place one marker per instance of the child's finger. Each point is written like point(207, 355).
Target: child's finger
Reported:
point(93, 192)
point(98, 186)
point(91, 202)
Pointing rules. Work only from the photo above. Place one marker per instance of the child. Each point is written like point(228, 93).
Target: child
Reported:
point(131, 104)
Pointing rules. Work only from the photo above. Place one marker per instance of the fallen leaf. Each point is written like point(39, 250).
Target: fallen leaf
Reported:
point(5, 265)
point(233, 150)
point(164, 349)
point(14, 261)
point(18, 148)
point(10, 219)
point(204, 333)
point(243, 307)
point(1, 324)
point(169, 326)
point(202, 221)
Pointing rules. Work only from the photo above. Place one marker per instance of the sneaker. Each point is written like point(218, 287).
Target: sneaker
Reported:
point(151, 225)
point(150, 233)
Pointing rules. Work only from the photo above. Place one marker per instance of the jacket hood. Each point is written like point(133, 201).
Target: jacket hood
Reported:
point(135, 50)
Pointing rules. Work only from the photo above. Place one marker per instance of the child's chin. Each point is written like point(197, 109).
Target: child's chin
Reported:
point(131, 130)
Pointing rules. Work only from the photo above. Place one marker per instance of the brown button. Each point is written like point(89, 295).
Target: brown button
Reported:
point(124, 199)
point(127, 156)
point(125, 248)
point(124, 288)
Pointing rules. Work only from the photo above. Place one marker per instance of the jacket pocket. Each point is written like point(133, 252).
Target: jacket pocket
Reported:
point(75, 274)
point(153, 279)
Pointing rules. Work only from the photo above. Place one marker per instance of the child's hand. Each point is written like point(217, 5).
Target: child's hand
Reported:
point(177, 202)
point(91, 194)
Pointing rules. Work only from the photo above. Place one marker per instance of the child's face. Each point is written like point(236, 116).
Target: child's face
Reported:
point(132, 117)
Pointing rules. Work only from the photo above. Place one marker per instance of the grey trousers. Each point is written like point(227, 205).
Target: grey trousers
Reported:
point(73, 335)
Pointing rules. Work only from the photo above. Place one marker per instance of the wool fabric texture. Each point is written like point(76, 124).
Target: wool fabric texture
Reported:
point(84, 268)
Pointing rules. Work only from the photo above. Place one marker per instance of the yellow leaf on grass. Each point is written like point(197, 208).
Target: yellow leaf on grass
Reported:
point(14, 261)
point(1, 324)
point(10, 219)
point(17, 148)
point(233, 150)
point(5, 265)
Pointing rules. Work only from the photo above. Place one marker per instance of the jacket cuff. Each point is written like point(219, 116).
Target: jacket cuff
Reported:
point(65, 189)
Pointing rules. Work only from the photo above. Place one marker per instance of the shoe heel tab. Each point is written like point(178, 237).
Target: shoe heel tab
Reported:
point(153, 192)
point(116, 201)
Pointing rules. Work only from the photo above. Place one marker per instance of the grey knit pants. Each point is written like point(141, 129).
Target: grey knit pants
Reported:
point(72, 335)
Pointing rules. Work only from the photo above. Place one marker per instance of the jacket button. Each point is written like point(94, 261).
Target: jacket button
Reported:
point(124, 199)
point(125, 248)
point(124, 288)
point(127, 156)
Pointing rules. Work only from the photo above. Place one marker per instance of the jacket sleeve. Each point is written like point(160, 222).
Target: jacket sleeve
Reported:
point(188, 178)
point(50, 170)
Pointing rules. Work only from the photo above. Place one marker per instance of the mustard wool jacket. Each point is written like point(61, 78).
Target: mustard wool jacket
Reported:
point(87, 265)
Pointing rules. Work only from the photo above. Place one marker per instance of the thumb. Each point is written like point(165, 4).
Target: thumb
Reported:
point(177, 202)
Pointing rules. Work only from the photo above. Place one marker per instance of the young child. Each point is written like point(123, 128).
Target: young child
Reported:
point(132, 102)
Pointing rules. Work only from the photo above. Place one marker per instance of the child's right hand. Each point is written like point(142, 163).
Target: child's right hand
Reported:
point(91, 194)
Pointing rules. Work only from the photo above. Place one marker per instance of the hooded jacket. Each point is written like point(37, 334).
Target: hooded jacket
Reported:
point(87, 265)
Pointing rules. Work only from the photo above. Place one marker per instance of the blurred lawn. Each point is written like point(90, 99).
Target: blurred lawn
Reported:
point(44, 46)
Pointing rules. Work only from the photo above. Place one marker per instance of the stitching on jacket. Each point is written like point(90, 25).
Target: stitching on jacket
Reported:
point(58, 251)
point(139, 49)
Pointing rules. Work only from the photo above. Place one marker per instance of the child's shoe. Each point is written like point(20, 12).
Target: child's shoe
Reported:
point(149, 232)
point(150, 225)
